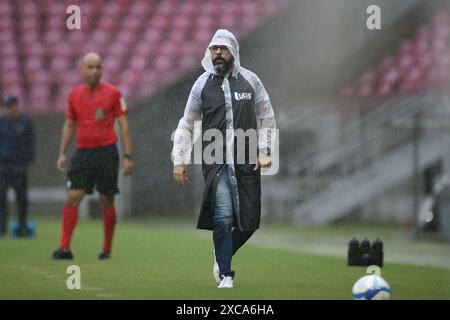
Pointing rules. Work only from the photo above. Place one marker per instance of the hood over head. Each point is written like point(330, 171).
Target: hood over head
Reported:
point(222, 37)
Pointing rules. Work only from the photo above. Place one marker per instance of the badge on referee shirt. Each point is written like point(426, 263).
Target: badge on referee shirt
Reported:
point(99, 114)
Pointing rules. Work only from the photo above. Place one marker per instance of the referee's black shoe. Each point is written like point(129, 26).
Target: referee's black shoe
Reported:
point(104, 255)
point(62, 254)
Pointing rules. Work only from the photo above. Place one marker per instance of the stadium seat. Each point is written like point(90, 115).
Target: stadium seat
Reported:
point(366, 84)
point(5, 9)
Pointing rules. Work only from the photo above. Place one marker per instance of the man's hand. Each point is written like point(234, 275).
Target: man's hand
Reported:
point(128, 166)
point(263, 162)
point(180, 174)
point(61, 163)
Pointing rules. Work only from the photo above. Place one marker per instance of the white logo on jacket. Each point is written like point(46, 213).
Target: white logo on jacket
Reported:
point(242, 96)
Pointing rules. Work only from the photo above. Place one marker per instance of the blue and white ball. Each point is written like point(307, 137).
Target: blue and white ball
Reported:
point(371, 287)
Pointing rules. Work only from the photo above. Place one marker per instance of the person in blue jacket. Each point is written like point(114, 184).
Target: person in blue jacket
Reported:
point(17, 151)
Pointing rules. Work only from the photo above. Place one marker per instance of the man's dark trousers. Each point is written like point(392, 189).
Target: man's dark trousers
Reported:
point(16, 178)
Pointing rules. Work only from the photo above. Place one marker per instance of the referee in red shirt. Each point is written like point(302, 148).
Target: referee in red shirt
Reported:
point(93, 108)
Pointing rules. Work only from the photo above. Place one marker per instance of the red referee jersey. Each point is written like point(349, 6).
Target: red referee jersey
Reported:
point(94, 112)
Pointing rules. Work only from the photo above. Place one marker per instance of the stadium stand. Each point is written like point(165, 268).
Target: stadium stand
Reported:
point(419, 64)
point(366, 151)
point(139, 40)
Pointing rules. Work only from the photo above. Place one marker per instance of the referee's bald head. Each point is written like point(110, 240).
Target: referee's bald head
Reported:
point(91, 68)
point(91, 57)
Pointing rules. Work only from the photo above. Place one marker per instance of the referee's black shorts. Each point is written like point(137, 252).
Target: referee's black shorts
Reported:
point(97, 167)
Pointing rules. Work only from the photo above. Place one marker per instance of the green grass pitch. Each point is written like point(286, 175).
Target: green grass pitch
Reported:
point(174, 262)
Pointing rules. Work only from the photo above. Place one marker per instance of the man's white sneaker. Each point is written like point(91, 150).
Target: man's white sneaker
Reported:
point(227, 282)
point(216, 271)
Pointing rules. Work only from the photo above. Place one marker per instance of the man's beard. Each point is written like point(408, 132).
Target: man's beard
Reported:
point(223, 66)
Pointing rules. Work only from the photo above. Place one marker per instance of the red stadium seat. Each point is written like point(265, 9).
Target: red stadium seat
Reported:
point(139, 9)
point(33, 64)
point(386, 63)
point(412, 81)
point(228, 21)
point(29, 24)
point(181, 23)
point(366, 85)
point(12, 79)
point(6, 36)
point(53, 36)
point(8, 49)
point(388, 80)
point(108, 24)
point(28, 9)
point(385, 89)
point(423, 32)
point(5, 9)
point(423, 61)
point(138, 63)
point(187, 8)
point(421, 45)
point(7, 25)
point(9, 64)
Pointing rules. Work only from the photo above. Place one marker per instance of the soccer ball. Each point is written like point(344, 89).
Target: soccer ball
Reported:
point(371, 287)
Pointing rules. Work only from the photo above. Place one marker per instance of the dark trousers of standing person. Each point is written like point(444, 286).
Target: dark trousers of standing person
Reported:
point(16, 178)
